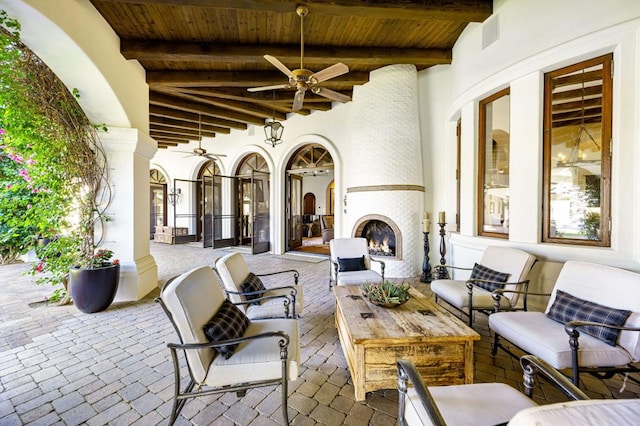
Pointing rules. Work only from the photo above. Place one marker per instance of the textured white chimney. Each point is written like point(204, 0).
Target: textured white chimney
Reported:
point(384, 176)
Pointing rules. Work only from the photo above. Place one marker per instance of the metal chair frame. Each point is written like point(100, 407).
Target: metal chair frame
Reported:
point(180, 396)
point(531, 366)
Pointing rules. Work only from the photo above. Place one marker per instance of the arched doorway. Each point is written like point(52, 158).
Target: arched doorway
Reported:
point(253, 195)
point(157, 200)
point(309, 172)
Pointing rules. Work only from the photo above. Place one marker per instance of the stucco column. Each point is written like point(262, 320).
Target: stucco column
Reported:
point(127, 232)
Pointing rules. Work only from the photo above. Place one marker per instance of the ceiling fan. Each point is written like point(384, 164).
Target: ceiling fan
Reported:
point(303, 79)
point(200, 151)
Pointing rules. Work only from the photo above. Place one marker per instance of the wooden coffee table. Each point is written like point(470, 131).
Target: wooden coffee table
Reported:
point(374, 338)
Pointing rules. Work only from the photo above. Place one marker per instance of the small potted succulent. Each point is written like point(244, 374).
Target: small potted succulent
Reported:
point(386, 294)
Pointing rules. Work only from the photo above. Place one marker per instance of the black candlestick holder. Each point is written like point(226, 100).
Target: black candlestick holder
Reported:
point(426, 266)
point(442, 272)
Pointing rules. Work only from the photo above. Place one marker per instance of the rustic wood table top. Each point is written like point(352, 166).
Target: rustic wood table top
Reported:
point(419, 320)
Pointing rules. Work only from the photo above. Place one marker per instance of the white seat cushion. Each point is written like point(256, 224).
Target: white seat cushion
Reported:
point(258, 359)
point(359, 277)
point(539, 335)
point(475, 404)
point(455, 293)
point(618, 412)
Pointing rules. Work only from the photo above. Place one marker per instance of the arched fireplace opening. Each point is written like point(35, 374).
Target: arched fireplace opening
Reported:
point(380, 238)
point(383, 236)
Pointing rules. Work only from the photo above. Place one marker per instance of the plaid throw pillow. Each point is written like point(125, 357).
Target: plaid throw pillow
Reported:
point(228, 323)
point(483, 273)
point(250, 284)
point(569, 308)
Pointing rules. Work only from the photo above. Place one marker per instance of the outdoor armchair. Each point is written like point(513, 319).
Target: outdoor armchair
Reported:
point(499, 267)
point(351, 263)
point(224, 351)
point(497, 403)
point(257, 300)
point(591, 322)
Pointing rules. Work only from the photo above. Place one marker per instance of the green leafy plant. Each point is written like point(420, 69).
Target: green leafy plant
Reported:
point(52, 164)
point(386, 293)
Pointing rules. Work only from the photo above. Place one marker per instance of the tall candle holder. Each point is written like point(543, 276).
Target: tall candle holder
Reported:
point(426, 266)
point(442, 272)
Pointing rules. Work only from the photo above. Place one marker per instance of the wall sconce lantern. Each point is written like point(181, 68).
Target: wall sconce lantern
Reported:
point(173, 196)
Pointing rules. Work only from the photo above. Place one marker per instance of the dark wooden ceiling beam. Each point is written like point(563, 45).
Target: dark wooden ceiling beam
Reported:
point(159, 50)
point(173, 138)
point(187, 125)
point(201, 114)
point(195, 134)
point(166, 144)
point(239, 79)
point(161, 99)
point(267, 97)
point(250, 109)
point(448, 10)
point(284, 106)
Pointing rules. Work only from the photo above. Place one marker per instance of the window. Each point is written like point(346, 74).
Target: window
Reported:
point(577, 161)
point(493, 166)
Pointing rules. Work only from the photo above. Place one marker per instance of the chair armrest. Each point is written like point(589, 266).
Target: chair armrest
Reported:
point(498, 293)
point(283, 343)
point(453, 267)
point(531, 365)
point(407, 372)
point(571, 328)
point(296, 274)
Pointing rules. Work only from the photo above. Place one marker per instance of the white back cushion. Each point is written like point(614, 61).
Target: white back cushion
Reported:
point(233, 270)
point(192, 299)
point(608, 286)
point(512, 261)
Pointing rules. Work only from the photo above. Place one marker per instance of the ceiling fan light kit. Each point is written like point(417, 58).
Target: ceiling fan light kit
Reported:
point(303, 79)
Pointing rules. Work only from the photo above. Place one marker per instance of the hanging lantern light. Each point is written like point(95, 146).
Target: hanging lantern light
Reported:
point(273, 129)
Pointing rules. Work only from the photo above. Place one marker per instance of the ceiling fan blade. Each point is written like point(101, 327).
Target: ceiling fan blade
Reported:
point(331, 94)
point(274, 87)
point(329, 72)
point(282, 67)
point(298, 99)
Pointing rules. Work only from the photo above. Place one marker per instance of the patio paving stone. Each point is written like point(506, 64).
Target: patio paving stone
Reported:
point(60, 366)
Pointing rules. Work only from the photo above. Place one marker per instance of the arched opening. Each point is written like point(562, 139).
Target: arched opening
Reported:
point(158, 200)
point(252, 191)
point(310, 171)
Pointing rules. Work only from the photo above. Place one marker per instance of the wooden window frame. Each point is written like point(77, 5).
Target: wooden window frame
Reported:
point(482, 129)
point(605, 196)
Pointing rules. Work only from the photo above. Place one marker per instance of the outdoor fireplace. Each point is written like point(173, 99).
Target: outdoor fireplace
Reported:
point(380, 238)
point(382, 235)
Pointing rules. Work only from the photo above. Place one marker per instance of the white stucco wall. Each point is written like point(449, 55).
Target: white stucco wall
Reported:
point(534, 37)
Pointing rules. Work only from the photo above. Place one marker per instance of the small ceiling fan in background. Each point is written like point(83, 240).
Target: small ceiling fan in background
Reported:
point(303, 79)
point(200, 151)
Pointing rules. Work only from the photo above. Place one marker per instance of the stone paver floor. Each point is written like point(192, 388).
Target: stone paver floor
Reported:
point(60, 366)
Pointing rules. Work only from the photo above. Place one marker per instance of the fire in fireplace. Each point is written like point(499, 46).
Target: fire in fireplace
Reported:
point(380, 237)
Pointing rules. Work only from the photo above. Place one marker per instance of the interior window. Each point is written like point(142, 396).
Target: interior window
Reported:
point(493, 157)
point(577, 159)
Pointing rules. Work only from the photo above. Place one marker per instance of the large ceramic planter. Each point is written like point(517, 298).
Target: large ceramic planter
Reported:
point(93, 290)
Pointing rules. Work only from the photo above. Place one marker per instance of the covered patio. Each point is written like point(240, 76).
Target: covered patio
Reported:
point(58, 365)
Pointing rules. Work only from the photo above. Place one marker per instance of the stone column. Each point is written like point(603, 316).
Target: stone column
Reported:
point(127, 232)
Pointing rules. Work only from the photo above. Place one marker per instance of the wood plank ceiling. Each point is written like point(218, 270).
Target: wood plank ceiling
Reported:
point(201, 56)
